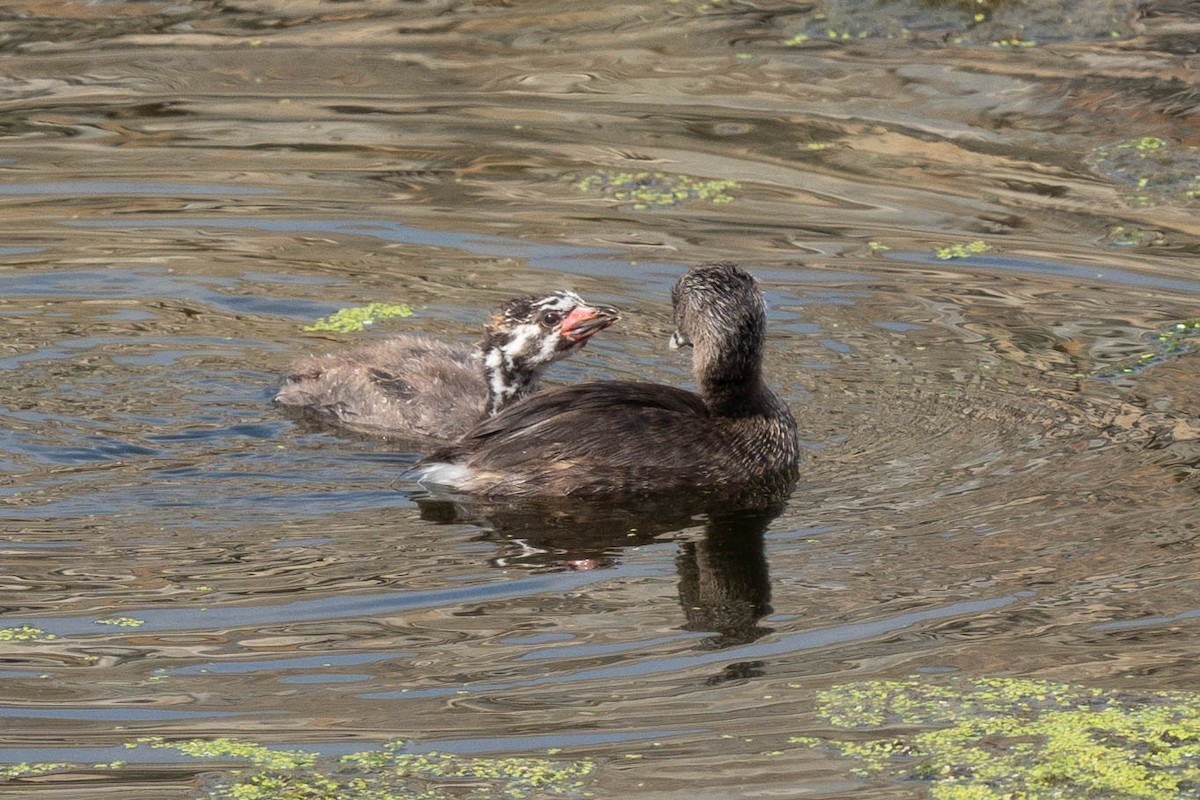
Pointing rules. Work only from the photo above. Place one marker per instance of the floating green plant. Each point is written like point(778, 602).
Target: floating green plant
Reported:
point(962, 250)
point(644, 190)
point(1164, 344)
point(1155, 170)
point(25, 633)
point(28, 770)
point(837, 34)
point(1012, 739)
point(384, 774)
point(25, 769)
point(1014, 41)
point(994, 23)
point(122, 622)
point(349, 320)
point(1126, 236)
point(703, 7)
point(1144, 145)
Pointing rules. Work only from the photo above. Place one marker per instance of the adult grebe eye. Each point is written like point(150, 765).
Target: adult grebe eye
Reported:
point(551, 318)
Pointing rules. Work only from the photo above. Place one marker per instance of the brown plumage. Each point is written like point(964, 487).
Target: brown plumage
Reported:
point(414, 386)
point(622, 436)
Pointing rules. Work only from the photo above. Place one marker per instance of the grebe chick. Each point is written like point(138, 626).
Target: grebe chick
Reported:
point(419, 387)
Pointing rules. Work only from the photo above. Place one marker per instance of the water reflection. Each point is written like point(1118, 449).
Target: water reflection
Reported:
point(724, 585)
point(724, 582)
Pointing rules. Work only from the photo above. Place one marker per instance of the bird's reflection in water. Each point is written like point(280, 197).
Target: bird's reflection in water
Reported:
point(724, 583)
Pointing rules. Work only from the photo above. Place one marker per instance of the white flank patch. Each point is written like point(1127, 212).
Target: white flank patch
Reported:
point(442, 473)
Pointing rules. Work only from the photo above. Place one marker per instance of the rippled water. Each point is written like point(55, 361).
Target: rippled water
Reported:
point(1001, 448)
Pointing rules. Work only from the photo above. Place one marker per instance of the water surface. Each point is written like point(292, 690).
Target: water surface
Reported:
point(1001, 449)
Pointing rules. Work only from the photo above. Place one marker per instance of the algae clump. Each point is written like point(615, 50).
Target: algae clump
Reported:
point(1169, 342)
point(1011, 739)
point(25, 633)
point(645, 190)
point(1151, 171)
point(349, 320)
point(962, 250)
point(122, 622)
point(385, 774)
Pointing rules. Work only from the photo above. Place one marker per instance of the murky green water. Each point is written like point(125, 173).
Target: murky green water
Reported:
point(1002, 447)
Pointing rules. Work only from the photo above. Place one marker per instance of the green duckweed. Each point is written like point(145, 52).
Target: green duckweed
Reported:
point(25, 633)
point(388, 773)
point(28, 770)
point(1013, 739)
point(1129, 236)
point(962, 250)
point(1150, 171)
point(122, 622)
point(1163, 344)
point(349, 320)
point(966, 23)
point(647, 190)
point(1014, 41)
